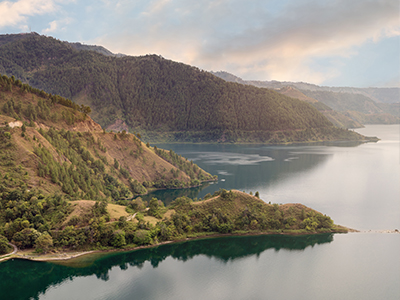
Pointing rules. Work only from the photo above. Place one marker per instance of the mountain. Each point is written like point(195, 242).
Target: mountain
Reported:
point(358, 107)
point(337, 118)
point(162, 99)
point(379, 95)
point(49, 143)
point(362, 105)
point(98, 49)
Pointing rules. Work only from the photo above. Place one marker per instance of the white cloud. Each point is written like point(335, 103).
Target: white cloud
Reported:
point(254, 38)
point(57, 25)
point(286, 44)
point(275, 39)
point(16, 13)
point(53, 27)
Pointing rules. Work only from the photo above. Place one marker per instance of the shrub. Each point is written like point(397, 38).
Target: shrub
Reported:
point(4, 245)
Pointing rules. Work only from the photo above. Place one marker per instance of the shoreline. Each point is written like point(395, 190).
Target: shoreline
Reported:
point(67, 255)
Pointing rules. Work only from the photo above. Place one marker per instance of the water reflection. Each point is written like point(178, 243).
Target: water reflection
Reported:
point(167, 196)
point(245, 167)
point(20, 279)
point(250, 167)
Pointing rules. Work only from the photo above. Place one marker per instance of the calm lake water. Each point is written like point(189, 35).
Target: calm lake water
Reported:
point(357, 185)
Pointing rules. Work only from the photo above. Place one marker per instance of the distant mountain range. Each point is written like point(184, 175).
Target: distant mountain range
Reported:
point(162, 99)
point(353, 106)
point(380, 95)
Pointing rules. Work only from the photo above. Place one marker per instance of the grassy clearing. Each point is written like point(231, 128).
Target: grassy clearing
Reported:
point(81, 207)
point(116, 211)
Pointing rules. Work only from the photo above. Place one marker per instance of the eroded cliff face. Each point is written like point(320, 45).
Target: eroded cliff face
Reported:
point(87, 125)
point(118, 125)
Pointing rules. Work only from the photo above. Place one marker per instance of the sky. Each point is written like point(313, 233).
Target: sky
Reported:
point(325, 42)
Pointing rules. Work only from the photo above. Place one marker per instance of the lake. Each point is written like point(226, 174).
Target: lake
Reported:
point(356, 184)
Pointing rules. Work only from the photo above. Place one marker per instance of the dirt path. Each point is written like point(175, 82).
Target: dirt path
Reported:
point(131, 217)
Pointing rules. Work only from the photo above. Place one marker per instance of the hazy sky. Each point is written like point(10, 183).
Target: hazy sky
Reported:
point(326, 42)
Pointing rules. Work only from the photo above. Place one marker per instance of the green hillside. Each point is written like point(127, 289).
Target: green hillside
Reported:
point(56, 226)
point(162, 99)
point(52, 152)
point(50, 143)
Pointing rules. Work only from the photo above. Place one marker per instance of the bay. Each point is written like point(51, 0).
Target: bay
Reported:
point(356, 184)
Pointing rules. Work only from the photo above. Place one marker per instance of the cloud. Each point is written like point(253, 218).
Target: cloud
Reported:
point(16, 13)
point(285, 44)
point(302, 40)
point(57, 25)
point(278, 40)
point(53, 27)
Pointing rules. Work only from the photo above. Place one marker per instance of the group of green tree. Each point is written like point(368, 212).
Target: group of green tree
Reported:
point(32, 220)
point(196, 174)
point(7, 83)
point(155, 95)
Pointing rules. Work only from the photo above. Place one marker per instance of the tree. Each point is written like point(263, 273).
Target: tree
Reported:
point(4, 245)
point(43, 242)
point(26, 238)
point(142, 237)
point(155, 208)
point(116, 163)
point(118, 239)
point(85, 109)
point(138, 204)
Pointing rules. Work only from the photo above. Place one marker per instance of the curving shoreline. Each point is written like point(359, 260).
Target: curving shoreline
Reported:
point(66, 256)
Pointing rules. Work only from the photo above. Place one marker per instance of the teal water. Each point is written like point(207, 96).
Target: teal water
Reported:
point(352, 266)
point(357, 185)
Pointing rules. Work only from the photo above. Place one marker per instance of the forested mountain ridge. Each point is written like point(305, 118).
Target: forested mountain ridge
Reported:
point(162, 99)
point(377, 94)
point(362, 105)
point(50, 143)
point(337, 118)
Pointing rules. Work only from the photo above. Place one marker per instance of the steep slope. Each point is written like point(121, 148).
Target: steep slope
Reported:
point(49, 143)
point(162, 99)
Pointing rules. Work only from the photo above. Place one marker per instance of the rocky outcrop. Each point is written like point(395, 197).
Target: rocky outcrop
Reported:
point(86, 125)
point(118, 125)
